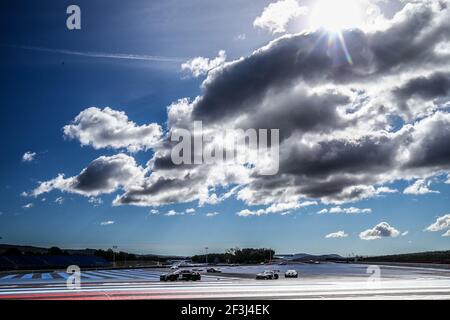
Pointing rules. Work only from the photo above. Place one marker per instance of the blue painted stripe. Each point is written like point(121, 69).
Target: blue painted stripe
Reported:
point(90, 275)
point(135, 274)
point(46, 276)
point(105, 274)
point(9, 277)
point(101, 275)
point(143, 274)
point(145, 271)
point(142, 271)
point(28, 276)
point(124, 274)
point(114, 273)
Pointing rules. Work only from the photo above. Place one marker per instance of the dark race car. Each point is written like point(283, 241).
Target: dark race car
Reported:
point(171, 276)
point(182, 275)
point(213, 270)
point(267, 275)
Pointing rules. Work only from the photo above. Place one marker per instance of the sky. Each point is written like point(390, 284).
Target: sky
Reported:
point(359, 93)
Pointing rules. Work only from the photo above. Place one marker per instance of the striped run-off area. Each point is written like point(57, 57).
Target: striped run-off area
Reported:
point(87, 276)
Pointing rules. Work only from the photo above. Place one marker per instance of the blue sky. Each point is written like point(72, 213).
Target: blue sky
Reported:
point(43, 90)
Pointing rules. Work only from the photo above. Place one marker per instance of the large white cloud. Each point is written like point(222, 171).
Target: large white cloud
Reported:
point(419, 187)
point(200, 66)
point(103, 175)
point(277, 15)
point(381, 230)
point(347, 130)
point(109, 128)
point(441, 223)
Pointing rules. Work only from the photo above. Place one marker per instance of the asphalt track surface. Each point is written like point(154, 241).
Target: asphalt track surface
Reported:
point(315, 282)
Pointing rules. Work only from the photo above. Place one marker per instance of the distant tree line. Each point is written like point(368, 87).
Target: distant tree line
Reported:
point(108, 254)
point(111, 255)
point(236, 255)
point(53, 251)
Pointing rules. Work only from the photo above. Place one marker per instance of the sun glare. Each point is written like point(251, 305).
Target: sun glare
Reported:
point(336, 15)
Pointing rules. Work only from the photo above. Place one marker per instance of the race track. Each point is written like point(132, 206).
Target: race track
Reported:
point(398, 283)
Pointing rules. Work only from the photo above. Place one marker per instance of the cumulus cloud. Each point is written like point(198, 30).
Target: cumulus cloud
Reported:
point(279, 207)
point(419, 187)
point(103, 175)
point(338, 234)
point(28, 206)
point(190, 210)
point(422, 90)
point(351, 210)
point(341, 153)
point(381, 230)
point(28, 156)
point(382, 190)
point(200, 66)
point(154, 212)
point(170, 184)
point(348, 129)
point(59, 200)
point(248, 213)
point(107, 223)
point(173, 213)
point(441, 223)
point(95, 201)
point(277, 15)
point(109, 128)
point(212, 214)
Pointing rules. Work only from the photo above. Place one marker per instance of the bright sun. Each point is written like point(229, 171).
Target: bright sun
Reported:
point(336, 15)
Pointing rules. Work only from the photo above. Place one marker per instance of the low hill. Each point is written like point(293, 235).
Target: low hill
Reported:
point(307, 257)
point(440, 257)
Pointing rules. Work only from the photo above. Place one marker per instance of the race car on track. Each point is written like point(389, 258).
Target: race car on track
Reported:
point(267, 275)
point(291, 274)
point(181, 275)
